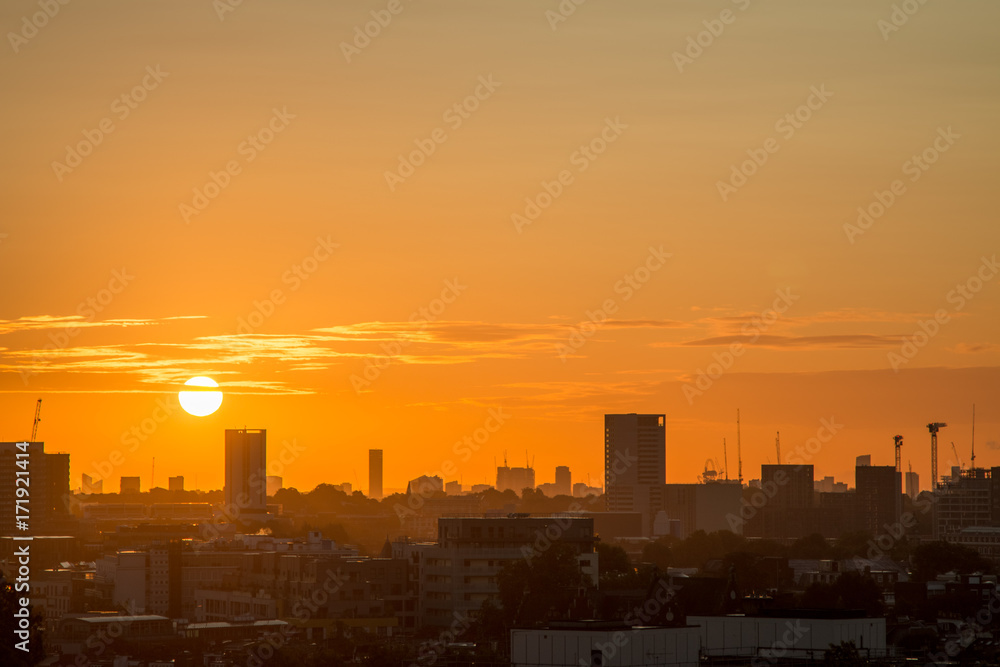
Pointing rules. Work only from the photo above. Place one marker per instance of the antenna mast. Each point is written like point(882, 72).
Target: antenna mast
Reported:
point(725, 459)
point(777, 445)
point(973, 464)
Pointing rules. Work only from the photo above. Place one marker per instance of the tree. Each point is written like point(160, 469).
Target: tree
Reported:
point(934, 558)
point(658, 553)
point(616, 569)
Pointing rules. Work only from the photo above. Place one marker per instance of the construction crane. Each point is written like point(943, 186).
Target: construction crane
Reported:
point(777, 445)
point(898, 439)
point(934, 427)
point(957, 457)
point(38, 418)
point(739, 452)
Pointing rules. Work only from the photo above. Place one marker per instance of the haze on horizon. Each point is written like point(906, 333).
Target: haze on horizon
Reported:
point(310, 268)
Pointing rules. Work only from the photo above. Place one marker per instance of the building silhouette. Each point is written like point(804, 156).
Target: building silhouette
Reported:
point(49, 479)
point(246, 472)
point(515, 479)
point(375, 474)
point(564, 481)
point(635, 469)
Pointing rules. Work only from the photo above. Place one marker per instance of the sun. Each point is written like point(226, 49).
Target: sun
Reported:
point(201, 402)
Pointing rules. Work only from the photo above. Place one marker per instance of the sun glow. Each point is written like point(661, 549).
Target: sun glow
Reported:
point(202, 402)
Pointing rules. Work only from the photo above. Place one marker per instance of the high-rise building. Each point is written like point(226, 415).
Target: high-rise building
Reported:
point(912, 484)
point(246, 472)
point(635, 464)
point(175, 483)
point(564, 481)
point(787, 511)
point(453, 488)
point(879, 497)
point(131, 485)
point(709, 507)
point(515, 479)
point(973, 499)
point(49, 475)
point(375, 474)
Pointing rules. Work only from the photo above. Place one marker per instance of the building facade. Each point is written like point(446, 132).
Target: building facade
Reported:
point(635, 469)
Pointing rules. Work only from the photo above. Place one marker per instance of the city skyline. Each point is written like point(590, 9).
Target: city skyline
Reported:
point(703, 205)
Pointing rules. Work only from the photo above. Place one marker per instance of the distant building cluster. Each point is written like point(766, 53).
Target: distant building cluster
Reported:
point(244, 566)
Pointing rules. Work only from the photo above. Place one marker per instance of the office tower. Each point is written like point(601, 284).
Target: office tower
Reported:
point(515, 479)
point(375, 474)
point(49, 475)
point(912, 484)
point(863, 460)
point(564, 481)
point(879, 496)
point(175, 483)
point(130, 485)
point(635, 468)
point(246, 476)
point(787, 491)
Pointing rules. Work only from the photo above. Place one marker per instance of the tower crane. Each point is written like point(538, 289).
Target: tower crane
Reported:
point(957, 457)
point(934, 427)
point(898, 439)
point(38, 418)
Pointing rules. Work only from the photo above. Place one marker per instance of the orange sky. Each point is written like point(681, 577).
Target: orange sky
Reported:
point(640, 226)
